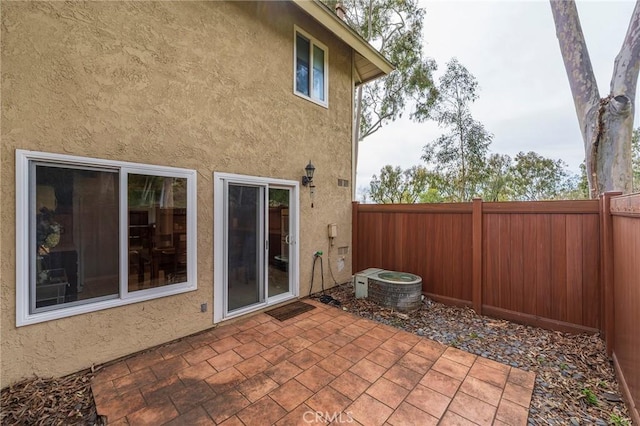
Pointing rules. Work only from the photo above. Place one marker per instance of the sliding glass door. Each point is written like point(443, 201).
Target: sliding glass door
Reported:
point(279, 242)
point(256, 262)
point(245, 232)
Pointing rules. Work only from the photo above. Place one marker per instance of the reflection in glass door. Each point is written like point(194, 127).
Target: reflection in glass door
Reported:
point(256, 254)
point(279, 241)
point(245, 280)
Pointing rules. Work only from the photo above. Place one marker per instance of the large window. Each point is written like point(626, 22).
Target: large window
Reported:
point(94, 234)
point(311, 74)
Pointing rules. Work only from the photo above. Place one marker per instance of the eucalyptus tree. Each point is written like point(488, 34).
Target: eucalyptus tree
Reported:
point(535, 177)
point(395, 28)
point(606, 123)
point(395, 185)
point(497, 184)
point(459, 156)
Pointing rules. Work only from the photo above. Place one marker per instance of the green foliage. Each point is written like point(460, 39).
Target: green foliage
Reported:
point(394, 27)
point(397, 186)
point(537, 178)
point(589, 397)
point(498, 178)
point(458, 156)
point(432, 195)
point(618, 420)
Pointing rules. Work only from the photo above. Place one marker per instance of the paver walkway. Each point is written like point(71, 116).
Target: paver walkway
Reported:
point(324, 366)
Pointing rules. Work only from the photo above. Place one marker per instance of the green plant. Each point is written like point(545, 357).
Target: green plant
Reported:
point(563, 366)
point(473, 335)
point(589, 396)
point(618, 420)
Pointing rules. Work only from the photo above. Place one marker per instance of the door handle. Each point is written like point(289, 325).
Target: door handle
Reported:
point(287, 239)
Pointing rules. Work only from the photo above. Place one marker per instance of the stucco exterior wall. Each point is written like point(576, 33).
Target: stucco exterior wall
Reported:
point(200, 85)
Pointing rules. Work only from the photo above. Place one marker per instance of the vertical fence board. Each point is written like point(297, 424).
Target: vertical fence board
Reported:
point(591, 272)
point(491, 261)
point(504, 239)
point(448, 273)
point(516, 272)
point(477, 230)
point(543, 265)
point(437, 255)
point(574, 269)
point(559, 268)
point(413, 233)
point(457, 285)
point(530, 260)
point(354, 236)
point(427, 243)
point(466, 253)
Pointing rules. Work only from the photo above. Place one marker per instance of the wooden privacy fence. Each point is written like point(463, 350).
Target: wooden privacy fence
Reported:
point(535, 262)
point(564, 265)
point(621, 273)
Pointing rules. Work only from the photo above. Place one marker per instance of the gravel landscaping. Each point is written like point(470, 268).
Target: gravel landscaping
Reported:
point(575, 381)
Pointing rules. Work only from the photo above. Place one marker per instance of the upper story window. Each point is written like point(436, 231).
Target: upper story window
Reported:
point(311, 68)
point(93, 234)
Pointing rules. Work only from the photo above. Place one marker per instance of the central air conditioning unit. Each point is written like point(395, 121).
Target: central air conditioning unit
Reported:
point(361, 281)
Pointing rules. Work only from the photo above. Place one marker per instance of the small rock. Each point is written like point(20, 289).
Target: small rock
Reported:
point(611, 397)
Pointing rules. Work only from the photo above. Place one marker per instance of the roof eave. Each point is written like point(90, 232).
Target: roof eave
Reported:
point(372, 64)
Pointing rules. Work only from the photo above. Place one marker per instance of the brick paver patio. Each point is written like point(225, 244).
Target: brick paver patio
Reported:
point(324, 366)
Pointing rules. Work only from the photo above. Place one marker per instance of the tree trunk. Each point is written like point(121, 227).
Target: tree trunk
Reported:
point(606, 124)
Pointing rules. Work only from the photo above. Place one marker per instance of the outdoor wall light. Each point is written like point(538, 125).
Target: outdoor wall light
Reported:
point(308, 178)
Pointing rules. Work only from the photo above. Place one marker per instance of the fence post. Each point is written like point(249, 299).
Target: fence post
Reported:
point(477, 255)
point(354, 236)
point(606, 259)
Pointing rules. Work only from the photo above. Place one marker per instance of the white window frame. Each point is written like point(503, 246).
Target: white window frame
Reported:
point(312, 42)
point(220, 277)
point(124, 297)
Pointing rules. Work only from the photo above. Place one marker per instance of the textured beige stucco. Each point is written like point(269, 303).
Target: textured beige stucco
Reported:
point(200, 85)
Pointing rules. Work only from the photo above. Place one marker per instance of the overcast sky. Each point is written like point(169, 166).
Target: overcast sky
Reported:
point(524, 98)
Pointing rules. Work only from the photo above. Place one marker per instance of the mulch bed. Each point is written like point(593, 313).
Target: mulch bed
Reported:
point(55, 401)
point(575, 380)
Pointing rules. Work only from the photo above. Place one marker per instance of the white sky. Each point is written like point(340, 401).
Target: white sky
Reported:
point(524, 99)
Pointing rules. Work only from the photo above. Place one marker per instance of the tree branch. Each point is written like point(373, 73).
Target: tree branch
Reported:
point(627, 63)
point(584, 87)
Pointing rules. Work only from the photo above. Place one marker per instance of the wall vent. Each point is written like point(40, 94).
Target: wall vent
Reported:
point(343, 250)
point(343, 183)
